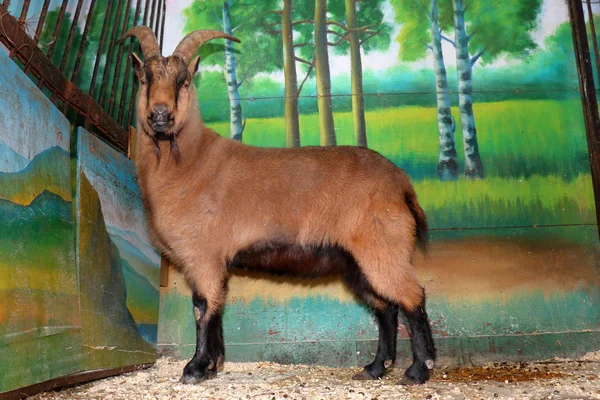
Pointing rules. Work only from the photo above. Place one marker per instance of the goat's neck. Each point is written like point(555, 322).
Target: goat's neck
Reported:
point(153, 167)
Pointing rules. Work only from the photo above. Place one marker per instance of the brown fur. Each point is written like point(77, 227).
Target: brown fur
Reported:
point(218, 198)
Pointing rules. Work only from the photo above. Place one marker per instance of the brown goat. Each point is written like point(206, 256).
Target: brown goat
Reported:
point(215, 204)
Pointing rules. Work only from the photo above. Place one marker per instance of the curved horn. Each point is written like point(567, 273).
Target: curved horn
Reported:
point(147, 40)
point(190, 44)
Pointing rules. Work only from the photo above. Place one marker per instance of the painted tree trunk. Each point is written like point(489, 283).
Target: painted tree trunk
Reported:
point(358, 101)
point(235, 107)
point(473, 165)
point(447, 168)
point(292, 126)
point(326, 125)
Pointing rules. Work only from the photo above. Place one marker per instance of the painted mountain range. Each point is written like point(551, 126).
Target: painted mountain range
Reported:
point(109, 330)
point(49, 170)
point(10, 160)
point(37, 265)
point(108, 176)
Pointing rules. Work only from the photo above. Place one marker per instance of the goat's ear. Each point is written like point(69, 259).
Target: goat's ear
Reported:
point(138, 65)
point(193, 66)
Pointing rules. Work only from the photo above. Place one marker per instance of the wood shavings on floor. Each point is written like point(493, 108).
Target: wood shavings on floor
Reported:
point(554, 379)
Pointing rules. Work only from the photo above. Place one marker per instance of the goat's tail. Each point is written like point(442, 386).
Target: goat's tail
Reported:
point(420, 218)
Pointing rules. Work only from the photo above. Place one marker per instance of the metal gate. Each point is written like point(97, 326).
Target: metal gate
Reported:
point(69, 51)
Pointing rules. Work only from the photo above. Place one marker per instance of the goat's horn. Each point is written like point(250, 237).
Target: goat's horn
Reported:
point(147, 39)
point(192, 42)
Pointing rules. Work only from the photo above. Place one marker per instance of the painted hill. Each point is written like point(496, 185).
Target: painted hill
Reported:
point(109, 332)
point(49, 170)
point(10, 160)
point(136, 260)
point(142, 296)
point(38, 272)
point(141, 244)
point(38, 237)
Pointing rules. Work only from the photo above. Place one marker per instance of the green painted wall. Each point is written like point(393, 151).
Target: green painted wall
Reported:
point(78, 277)
point(513, 271)
point(40, 321)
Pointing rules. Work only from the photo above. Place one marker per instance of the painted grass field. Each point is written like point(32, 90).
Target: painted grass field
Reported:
point(517, 139)
point(534, 154)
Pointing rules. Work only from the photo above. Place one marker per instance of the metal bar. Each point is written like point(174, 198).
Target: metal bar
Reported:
point(146, 10)
point(594, 39)
point(61, 15)
point(84, 36)
point(16, 39)
point(162, 24)
point(71, 35)
point(152, 14)
point(41, 21)
point(111, 99)
point(109, 54)
point(138, 11)
point(157, 20)
point(135, 82)
point(24, 10)
point(100, 45)
point(588, 95)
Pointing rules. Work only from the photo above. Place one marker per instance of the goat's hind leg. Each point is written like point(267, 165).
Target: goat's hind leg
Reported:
point(398, 286)
point(385, 357)
point(387, 319)
point(423, 348)
point(209, 343)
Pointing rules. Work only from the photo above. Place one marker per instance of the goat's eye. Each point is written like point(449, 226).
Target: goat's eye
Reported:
point(142, 81)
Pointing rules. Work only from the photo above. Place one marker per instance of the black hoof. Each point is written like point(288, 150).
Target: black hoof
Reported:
point(375, 370)
point(416, 374)
point(363, 376)
point(406, 381)
point(194, 373)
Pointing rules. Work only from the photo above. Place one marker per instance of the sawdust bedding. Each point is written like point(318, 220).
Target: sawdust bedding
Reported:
point(553, 379)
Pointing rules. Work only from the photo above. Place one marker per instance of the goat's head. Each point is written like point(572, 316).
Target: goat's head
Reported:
point(167, 91)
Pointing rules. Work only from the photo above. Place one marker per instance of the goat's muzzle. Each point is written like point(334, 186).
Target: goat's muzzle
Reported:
point(160, 118)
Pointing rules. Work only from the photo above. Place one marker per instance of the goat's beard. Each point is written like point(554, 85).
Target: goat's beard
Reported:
point(157, 137)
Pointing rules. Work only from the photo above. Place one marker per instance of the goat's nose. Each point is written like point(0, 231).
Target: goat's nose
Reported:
point(160, 112)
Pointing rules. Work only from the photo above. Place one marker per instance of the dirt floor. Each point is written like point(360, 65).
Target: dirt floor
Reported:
point(554, 379)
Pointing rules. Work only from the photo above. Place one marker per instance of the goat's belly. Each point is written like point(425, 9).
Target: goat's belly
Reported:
point(296, 260)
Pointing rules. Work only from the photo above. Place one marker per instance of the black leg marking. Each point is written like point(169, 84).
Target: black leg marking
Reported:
point(423, 348)
point(209, 344)
point(387, 319)
point(386, 347)
point(215, 341)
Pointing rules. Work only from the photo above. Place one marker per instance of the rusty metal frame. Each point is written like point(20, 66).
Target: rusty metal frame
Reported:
point(106, 76)
point(21, 46)
point(588, 95)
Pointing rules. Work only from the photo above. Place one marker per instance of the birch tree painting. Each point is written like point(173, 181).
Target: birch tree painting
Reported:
point(242, 20)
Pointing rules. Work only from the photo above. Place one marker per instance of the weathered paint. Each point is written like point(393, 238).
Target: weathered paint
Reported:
point(517, 294)
point(116, 260)
point(40, 322)
point(75, 293)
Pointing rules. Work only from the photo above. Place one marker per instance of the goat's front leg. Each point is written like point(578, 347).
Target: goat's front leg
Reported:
point(209, 343)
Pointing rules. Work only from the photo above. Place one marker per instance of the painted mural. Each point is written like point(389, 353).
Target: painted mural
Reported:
point(39, 296)
point(478, 101)
point(118, 267)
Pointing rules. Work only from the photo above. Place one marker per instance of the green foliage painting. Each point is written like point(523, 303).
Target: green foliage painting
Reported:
point(478, 101)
